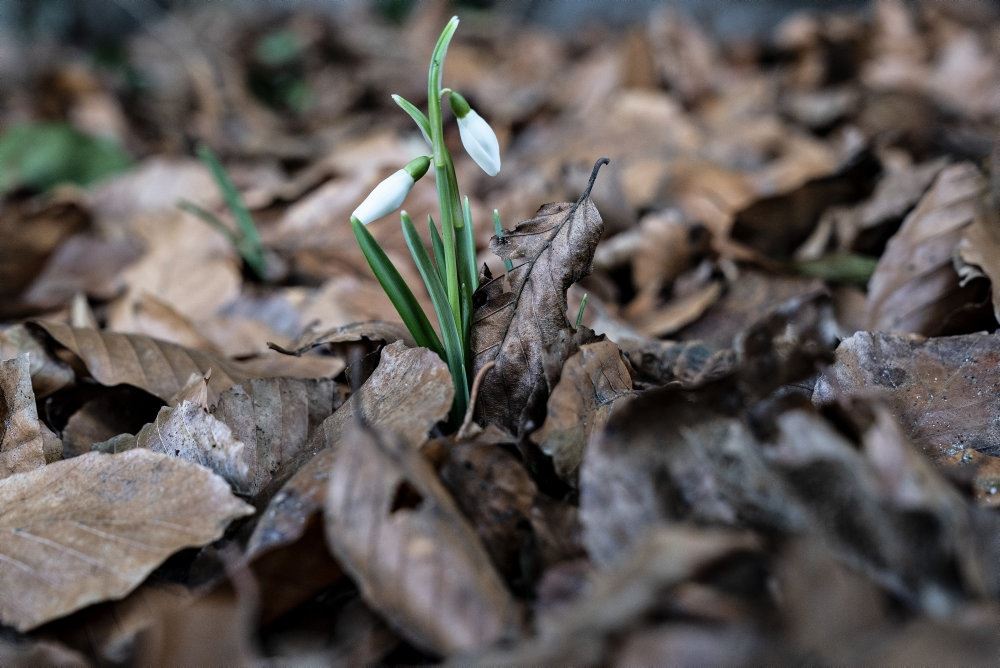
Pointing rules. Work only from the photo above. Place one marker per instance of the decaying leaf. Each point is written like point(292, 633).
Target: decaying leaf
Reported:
point(93, 527)
point(520, 312)
point(593, 381)
point(410, 391)
point(48, 374)
point(187, 431)
point(398, 532)
point(22, 435)
point(915, 287)
point(942, 390)
point(275, 417)
point(523, 530)
point(979, 248)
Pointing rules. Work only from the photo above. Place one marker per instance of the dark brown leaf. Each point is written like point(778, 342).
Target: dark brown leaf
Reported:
point(593, 381)
point(521, 312)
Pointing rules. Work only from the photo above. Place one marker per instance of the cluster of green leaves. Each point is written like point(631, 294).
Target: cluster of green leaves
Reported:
point(448, 268)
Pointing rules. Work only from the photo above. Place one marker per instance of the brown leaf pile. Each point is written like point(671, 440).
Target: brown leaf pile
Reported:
point(774, 436)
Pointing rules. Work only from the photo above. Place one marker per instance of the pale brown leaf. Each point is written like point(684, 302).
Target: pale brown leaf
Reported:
point(93, 527)
point(593, 381)
point(275, 417)
point(187, 431)
point(915, 287)
point(519, 313)
point(399, 534)
point(22, 446)
point(48, 374)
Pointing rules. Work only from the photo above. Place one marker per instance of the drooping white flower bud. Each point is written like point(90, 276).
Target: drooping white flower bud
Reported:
point(388, 195)
point(478, 138)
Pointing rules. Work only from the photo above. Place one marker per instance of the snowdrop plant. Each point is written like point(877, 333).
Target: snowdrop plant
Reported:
point(448, 269)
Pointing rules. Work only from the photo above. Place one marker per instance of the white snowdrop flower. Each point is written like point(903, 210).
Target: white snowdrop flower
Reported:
point(388, 195)
point(478, 138)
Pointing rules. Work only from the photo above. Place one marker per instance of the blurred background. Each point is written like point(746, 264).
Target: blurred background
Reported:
point(707, 110)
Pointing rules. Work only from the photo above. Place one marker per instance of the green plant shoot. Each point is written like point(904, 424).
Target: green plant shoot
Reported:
point(448, 269)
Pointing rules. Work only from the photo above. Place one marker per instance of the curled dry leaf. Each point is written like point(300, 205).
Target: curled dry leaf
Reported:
point(22, 435)
point(520, 312)
point(397, 531)
point(48, 374)
point(523, 531)
point(593, 381)
point(187, 431)
point(915, 287)
point(409, 392)
point(275, 418)
point(979, 248)
point(81, 542)
point(942, 390)
point(159, 367)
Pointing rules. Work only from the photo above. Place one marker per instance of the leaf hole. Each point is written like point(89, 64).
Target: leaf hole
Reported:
point(406, 497)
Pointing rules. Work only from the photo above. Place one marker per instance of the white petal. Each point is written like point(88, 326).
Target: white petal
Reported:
point(385, 198)
point(480, 142)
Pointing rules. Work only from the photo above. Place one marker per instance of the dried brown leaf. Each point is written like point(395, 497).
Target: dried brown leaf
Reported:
point(409, 392)
point(915, 287)
point(398, 532)
point(162, 368)
point(275, 418)
point(520, 312)
point(22, 435)
point(187, 431)
point(593, 381)
point(48, 374)
point(93, 527)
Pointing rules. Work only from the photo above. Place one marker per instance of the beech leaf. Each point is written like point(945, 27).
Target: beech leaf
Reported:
point(92, 528)
point(396, 530)
point(594, 380)
point(520, 312)
point(409, 392)
point(915, 287)
point(22, 443)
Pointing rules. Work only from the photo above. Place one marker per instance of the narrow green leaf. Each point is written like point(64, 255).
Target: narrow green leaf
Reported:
point(454, 353)
point(208, 217)
point(840, 268)
point(396, 289)
point(467, 250)
point(438, 247)
point(498, 231)
point(418, 116)
point(249, 243)
point(583, 307)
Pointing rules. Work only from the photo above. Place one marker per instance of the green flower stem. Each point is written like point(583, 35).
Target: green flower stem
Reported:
point(447, 197)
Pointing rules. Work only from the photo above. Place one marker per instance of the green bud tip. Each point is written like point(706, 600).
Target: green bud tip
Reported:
point(458, 104)
point(417, 167)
